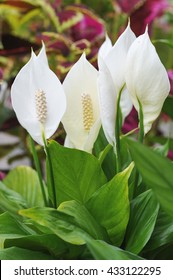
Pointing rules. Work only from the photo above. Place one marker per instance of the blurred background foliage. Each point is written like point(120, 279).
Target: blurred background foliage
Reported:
point(68, 28)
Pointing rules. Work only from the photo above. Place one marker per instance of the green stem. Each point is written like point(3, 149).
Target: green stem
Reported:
point(141, 123)
point(117, 132)
point(37, 166)
point(140, 139)
point(52, 182)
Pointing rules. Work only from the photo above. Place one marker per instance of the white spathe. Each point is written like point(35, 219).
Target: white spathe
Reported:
point(37, 76)
point(111, 80)
point(82, 117)
point(146, 79)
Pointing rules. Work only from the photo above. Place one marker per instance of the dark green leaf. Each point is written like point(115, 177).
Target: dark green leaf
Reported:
point(143, 214)
point(46, 243)
point(15, 253)
point(157, 173)
point(108, 165)
point(103, 251)
point(168, 105)
point(163, 232)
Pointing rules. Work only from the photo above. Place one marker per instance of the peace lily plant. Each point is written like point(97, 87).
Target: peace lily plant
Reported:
point(94, 206)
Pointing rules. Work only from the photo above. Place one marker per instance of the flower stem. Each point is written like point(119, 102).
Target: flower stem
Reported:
point(141, 123)
point(140, 139)
point(117, 132)
point(52, 182)
point(37, 166)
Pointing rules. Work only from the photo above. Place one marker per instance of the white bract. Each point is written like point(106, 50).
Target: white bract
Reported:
point(38, 98)
point(146, 79)
point(82, 118)
point(111, 80)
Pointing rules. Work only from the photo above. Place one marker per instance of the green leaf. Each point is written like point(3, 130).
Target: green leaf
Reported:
point(69, 228)
point(11, 201)
point(15, 253)
point(164, 41)
point(108, 165)
point(77, 174)
point(83, 219)
point(143, 215)
point(110, 206)
point(24, 180)
point(46, 243)
point(103, 251)
point(163, 232)
point(12, 228)
point(167, 106)
point(157, 173)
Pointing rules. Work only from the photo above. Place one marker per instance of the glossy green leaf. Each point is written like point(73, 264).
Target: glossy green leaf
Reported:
point(110, 206)
point(104, 251)
point(163, 232)
point(72, 228)
point(157, 173)
point(15, 253)
point(83, 219)
point(24, 180)
point(143, 215)
point(11, 201)
point(46, 243)
point(12, 228)
point(77, 174)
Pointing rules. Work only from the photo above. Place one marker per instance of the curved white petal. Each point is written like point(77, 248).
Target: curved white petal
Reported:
point(107, 99)
point(116, 58)
point(42, 55)
point(34, 76)
point(80, 81)
point(146, 79)
point(105, 47)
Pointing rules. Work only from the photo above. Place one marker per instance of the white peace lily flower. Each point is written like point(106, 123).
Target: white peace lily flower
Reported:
point(108, 100)
point(82, 118)
point(146, 79)
point(112, 65)
point(38, 98)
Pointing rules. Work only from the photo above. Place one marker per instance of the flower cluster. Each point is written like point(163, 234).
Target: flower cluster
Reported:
point(129, 72)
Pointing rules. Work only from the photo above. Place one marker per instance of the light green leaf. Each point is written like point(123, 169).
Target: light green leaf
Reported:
point(103, 251)
point(77, 174)
point(11, 201)
point(24, 180)
point(65, 226)
point(12, 228)
point(143, 215)
point(83, 219)
point(15, 253)
point(157, 173)
point(110, 206)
